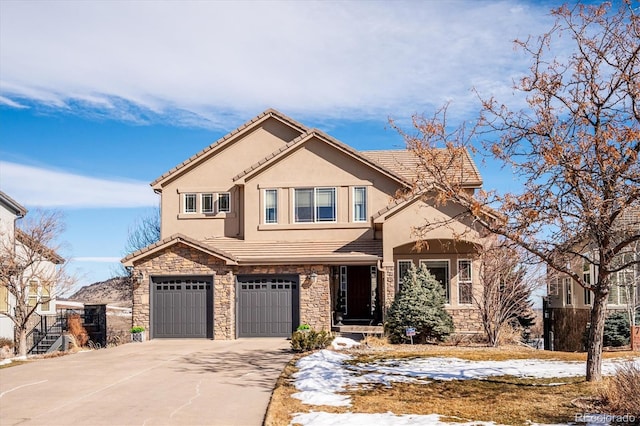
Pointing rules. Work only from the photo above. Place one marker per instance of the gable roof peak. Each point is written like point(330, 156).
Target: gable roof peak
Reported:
point(247, 126)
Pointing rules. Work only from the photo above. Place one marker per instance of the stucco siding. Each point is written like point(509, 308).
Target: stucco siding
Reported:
point(215, 175)
point(315, 164)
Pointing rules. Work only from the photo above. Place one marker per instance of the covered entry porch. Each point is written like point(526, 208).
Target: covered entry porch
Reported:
point(355, 296)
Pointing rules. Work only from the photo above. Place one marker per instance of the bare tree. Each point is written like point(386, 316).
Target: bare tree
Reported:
point(31, 270)
point(144, 232)
point(574, 147)
point(507, 285)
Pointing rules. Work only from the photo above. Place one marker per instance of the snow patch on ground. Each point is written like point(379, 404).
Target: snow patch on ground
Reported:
point(382, 419)
point(343, 343)
point(324, 375)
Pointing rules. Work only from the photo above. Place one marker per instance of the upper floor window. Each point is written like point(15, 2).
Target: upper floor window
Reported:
point(270, 206)
point(315, 205)
point(554, 287)
point(190, 203)
point(206, 201)
point(566, 282)
point(465, 285)
point(622, 287)
point(224, 202)
point(359, 204)
point(586, 277)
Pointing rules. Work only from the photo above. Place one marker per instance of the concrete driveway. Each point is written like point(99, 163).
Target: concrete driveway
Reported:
point(160, 382)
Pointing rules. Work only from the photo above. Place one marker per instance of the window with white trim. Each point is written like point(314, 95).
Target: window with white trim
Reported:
point(206, 203)
point(568, 295)
point(586, 277)
point(622, 286)
point(465, 285)
point(314, 205)
point(440, 270)
point(45, 297)
point(554, 287)
point(189, 203)
point(403, 268)
point(224, 202)
point(360, 204)
point(270, 206)
point(33, 292)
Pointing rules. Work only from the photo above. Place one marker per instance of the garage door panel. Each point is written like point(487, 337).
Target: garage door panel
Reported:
point(267, 306)
point(182, 307)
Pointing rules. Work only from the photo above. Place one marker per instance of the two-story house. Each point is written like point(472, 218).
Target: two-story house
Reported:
point(567, 306)
point(277, 224)
point(39, 292)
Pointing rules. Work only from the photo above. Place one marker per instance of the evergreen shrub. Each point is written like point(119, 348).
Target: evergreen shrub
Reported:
point(616, 330)
point(419, 304)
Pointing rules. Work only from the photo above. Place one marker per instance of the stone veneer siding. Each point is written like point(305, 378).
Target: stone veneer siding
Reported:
point(182, 260)
point(389, 291)
point(466, 320)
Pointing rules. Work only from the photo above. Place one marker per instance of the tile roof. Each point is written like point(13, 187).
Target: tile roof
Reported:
point(273, 252)
point(406, 164)
point(259, 118)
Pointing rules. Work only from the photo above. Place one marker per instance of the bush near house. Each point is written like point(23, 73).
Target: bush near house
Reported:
point(309, 339)
point(77, 330)
point(419, 304)
point(616, 330)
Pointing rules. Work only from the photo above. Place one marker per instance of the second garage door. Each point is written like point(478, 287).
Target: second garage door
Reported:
point(267, 305)
point(182, 307)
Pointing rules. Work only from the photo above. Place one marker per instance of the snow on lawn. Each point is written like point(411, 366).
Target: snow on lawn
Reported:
point(382, 419)
point(323, 376)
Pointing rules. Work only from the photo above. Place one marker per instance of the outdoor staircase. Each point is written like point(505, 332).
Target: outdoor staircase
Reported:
point(46, 337)
point(49, 343)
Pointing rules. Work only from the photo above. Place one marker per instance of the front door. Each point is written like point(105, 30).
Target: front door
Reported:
point(358, 292)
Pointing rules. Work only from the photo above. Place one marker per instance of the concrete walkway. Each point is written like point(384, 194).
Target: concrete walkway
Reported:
point(160, 382)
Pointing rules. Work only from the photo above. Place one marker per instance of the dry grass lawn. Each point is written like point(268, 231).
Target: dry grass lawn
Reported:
point(505, 400)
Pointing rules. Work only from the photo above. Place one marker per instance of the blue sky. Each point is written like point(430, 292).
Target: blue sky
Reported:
point(99, 98)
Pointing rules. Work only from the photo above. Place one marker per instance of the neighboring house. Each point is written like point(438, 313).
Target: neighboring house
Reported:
point(567, 306)
point(12, 240)
point(277, 224)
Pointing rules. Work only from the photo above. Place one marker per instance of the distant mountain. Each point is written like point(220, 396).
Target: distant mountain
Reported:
point(114, 291)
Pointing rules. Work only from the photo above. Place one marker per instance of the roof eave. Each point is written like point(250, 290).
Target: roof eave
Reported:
point(150, 250)
point(308, 260)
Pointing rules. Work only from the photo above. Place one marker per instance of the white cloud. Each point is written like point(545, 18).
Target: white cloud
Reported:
point(40, 187)
point(11, 103)
point(320, 59)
